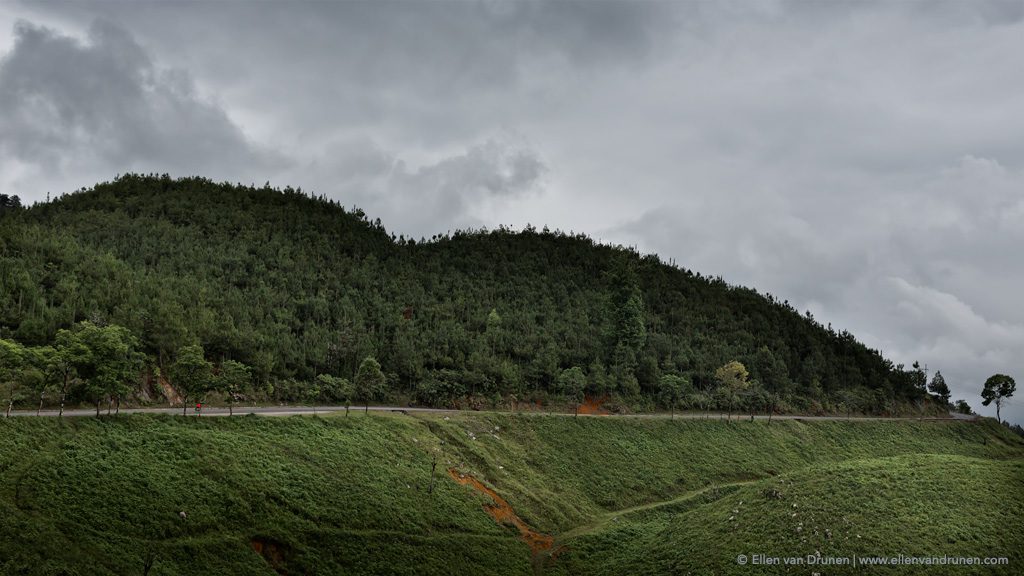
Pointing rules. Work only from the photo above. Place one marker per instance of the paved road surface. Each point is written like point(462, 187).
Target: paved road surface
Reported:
point(239, 410)
point(300, 410)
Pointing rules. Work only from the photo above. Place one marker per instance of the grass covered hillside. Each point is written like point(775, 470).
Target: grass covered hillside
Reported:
point(352, 495)
point(296, 288)
point(920, 505)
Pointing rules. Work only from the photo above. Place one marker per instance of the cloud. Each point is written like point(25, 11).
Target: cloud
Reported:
point(70, 105)
point(415, 74)
point(935, 315)
point(454, 189)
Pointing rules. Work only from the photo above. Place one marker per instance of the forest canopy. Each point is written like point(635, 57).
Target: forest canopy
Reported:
point(300, 291)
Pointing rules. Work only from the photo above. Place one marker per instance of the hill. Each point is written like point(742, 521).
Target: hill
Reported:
point(355, 495)
point(298, 287)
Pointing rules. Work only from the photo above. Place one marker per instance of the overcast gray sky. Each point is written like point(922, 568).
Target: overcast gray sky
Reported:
point(864, 161)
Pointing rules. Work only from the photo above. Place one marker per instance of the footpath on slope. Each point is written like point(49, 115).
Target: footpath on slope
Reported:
point(544, 548)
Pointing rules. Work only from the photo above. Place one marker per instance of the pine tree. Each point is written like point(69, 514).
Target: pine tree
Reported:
point(939, 388)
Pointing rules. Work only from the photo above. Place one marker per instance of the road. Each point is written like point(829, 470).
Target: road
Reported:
point(307, 410)
point(238, 410)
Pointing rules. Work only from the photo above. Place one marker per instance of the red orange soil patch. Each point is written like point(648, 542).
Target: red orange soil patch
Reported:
point(502, 513)
point(592, 405)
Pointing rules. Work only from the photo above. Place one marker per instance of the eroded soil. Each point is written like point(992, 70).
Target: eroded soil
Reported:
point(593, 405)
point(503, 513)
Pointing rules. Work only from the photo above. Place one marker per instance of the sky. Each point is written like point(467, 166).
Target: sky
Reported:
point(862, 160)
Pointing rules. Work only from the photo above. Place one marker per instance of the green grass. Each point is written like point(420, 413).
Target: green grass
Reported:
point(915, 505)
point(336, 495)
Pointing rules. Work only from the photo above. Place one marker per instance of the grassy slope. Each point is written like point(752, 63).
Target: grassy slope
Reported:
point(335, 491)
point(348, 495)
point(916, 505)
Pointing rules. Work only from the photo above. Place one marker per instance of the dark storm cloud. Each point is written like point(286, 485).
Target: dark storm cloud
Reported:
point(67, 102)
point(432, 72)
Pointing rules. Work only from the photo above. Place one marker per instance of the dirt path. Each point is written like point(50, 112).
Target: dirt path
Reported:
point(607, 517)
point(546, 556)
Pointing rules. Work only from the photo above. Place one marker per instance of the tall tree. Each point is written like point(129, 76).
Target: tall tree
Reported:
point(191, 374)
point(671, 391)
point(939, 388)
point(732, 382)
point(114, 364)
point(70, 353)
point(571, 383)
point(369, 381)
point(233, 381)
point(997, 389)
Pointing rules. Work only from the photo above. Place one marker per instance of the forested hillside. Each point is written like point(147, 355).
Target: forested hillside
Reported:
point(302, 291)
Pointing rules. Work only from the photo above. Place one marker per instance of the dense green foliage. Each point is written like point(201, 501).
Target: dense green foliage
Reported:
point(337, 495)
point(296, 287)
